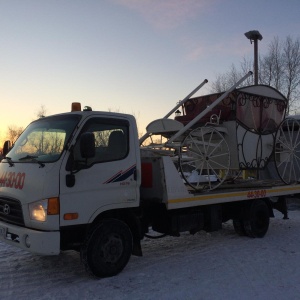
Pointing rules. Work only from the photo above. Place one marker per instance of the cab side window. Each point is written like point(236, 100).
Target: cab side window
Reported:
point(111, 140)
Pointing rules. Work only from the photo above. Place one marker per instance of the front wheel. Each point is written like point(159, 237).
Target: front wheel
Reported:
point(107, 249)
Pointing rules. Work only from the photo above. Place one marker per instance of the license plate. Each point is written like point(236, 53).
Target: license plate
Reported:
point(2, 232)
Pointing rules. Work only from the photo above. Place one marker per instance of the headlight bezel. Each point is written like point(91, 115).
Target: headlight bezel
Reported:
point(38, 210)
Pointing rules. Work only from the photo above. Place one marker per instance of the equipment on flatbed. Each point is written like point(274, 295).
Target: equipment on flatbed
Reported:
point(219, 135)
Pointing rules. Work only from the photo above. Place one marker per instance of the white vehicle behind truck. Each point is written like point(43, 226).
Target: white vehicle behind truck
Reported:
point(83, 181)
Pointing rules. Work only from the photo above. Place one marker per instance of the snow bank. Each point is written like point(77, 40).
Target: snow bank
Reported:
point(218, 265)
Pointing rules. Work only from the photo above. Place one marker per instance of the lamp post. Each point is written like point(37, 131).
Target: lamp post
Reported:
point(254, 36)
point(177, 113)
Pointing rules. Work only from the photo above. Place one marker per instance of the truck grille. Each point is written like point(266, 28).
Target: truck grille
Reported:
point(11, 211)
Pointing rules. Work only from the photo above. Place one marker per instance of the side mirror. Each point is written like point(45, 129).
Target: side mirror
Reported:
point(87, 145)
point(6, 148)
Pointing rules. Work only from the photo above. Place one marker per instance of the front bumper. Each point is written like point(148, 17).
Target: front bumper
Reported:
point(35, 241)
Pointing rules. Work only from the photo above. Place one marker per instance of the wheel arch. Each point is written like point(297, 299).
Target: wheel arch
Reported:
point(238, 210)
point(245, 205)
point(270, 206)
point(131, 218)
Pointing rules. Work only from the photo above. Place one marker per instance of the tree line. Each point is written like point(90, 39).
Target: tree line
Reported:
point(279, 68)
point(14, 131)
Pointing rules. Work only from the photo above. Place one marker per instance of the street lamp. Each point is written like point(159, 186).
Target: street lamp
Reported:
point(177, 113)
point(254, 36)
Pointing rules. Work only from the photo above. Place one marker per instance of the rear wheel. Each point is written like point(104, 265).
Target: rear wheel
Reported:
point(238, 226)
point(257, 219)
point(107, 248)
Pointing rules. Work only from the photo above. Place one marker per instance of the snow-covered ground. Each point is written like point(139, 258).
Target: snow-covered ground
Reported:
point(218, 265)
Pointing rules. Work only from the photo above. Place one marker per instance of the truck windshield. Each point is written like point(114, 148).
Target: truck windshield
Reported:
point(44, 140)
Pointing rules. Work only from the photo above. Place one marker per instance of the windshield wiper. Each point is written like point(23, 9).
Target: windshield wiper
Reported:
point(28, 157)
point(34, 158)
point(9, 160)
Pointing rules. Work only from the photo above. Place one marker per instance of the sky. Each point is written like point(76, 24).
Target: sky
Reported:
point(133, 56)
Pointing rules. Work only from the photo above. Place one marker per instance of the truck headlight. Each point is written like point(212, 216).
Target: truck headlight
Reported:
point(38, 210)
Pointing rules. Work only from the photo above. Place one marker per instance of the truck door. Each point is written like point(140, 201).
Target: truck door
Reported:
point(104, 182)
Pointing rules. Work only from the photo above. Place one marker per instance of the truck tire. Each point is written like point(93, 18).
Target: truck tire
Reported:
point(257, 219)
point(238, 226)
point(107, 248)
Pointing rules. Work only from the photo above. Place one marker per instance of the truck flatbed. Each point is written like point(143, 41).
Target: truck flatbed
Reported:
point(170, 189)
point(238, 191)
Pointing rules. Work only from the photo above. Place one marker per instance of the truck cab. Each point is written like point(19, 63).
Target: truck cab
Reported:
point(63, 174)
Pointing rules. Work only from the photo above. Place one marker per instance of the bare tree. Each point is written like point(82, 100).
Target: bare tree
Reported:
point(228, 79)
point(13, 132)
point(271, 70)
point(279, 68)
point(220, 84)
point(291, 58)
point(224, 81)
point(42, 112)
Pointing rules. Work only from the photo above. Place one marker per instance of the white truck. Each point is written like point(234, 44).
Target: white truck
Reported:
point(84, 181)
